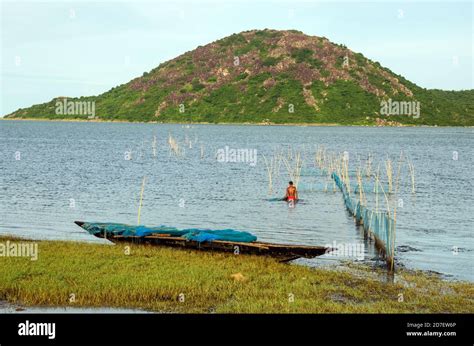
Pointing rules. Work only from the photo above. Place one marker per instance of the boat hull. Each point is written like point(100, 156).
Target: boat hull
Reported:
point(283, 252)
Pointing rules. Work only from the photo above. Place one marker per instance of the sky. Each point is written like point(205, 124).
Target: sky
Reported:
point(78, 48)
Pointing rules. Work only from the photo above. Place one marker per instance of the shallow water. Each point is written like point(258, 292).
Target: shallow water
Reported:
point(7, 308)
point(53, 173)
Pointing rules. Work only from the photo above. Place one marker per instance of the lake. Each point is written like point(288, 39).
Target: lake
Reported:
point(52, 173)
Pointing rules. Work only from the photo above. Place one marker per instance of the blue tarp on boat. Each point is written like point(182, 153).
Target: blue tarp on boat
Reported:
point(195, 234)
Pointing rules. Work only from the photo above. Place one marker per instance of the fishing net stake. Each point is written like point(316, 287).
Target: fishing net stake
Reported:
point(141, 199)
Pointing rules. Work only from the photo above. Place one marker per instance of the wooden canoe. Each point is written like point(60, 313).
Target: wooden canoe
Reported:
point(283, 252)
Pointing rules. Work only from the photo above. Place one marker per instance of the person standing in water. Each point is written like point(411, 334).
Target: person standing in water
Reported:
point(291, 193)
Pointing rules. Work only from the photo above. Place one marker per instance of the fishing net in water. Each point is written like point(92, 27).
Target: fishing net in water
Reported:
point(195, 234)
point(377, 223)
point(275, 199)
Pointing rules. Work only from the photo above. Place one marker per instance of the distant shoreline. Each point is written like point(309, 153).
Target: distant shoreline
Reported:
point(220, 123)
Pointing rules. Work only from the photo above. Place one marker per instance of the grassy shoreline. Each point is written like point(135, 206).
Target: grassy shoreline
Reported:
point(223, 123)
point(186, 281)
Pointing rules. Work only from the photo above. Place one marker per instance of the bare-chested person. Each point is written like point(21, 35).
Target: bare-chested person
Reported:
point(291, 193)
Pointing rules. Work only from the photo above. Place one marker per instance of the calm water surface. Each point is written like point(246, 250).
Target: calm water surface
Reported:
point(52, 173)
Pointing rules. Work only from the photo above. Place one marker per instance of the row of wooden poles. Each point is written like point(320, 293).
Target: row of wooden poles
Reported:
point(378, 225)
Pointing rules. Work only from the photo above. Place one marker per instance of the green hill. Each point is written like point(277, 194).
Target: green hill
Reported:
point(269, 76)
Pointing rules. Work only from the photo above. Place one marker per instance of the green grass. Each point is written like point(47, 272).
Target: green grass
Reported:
point(153, 278)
